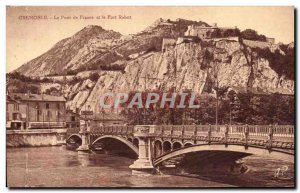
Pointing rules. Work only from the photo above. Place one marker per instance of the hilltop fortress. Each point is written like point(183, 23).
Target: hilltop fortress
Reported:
point(211, 33)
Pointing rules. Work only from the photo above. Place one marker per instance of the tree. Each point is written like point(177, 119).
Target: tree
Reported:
point(52, 91)
point(216, 33)
point(155, 114)
point(251, 34)
point(264, 109)
point(231, 32)
point(281, 64)
point(94, 77)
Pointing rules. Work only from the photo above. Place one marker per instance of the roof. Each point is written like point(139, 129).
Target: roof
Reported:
point(35, 97)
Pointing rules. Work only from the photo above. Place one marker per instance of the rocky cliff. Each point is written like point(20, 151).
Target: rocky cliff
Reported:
point(189, 66)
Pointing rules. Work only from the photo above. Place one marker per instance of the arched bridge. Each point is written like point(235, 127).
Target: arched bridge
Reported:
point(157, 145)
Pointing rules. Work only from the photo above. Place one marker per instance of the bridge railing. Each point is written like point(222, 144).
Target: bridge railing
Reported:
point(202, 128)
point(73, 130)
point(284, 130)
point(189, 131)
point(210, 133)
point(283, 133)
point(287, 130)
point(237, 129)
point(258, 132)
point(177, 130)
point(167, 130)
point(113, 129)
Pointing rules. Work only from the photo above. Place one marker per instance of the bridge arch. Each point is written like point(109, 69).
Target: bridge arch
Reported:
point(74, 136)
point(251, 150)
point(187, 144)
point(135, 142)
point(130, 139)
point(158, 149)
point(126, 142)
point(167, 146)
point(177, 145)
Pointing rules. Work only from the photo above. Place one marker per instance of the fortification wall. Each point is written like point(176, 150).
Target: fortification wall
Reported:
point(256, 44)
point(228, 38)
point(168, 42)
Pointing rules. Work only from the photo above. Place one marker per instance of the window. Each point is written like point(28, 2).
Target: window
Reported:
point(16, 107)
point(47, 105)
point(38, 112)
point(58, 106)
point(16, 116)
point(49, 114)
point(73, 118)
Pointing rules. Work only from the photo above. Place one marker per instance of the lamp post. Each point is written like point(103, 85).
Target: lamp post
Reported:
point(232, 102)
point(233, 106)
point(217, 105)
point(230, 118)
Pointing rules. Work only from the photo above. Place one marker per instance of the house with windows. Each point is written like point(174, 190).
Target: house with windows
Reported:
point(72, 119)
point(27, 111)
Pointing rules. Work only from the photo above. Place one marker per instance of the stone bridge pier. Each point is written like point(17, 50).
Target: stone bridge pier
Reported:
point(144, 165)
point(84, 147)
point(84, 133)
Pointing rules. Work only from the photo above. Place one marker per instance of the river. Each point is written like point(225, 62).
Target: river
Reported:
point(58, 167)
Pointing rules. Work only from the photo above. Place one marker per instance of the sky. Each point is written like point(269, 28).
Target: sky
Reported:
point(26, 39)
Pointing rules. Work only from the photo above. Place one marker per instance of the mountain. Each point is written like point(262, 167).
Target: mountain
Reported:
point(94, 47)
point(69, 52)
point(96, 60)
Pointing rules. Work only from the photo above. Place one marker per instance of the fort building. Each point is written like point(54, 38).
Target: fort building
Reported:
point(207, 32)
point(201, 31)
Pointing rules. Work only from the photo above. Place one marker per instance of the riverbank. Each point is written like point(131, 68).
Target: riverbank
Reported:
point(35, 138)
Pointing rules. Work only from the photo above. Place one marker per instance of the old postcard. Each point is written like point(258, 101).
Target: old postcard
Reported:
point(153, 97)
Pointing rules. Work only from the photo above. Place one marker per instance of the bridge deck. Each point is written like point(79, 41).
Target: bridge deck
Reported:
point(276, 136)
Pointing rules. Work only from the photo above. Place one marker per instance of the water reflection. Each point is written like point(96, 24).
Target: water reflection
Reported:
point(59, 167)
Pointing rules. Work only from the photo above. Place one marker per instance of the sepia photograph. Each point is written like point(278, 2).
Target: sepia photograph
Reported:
point(150, 97)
